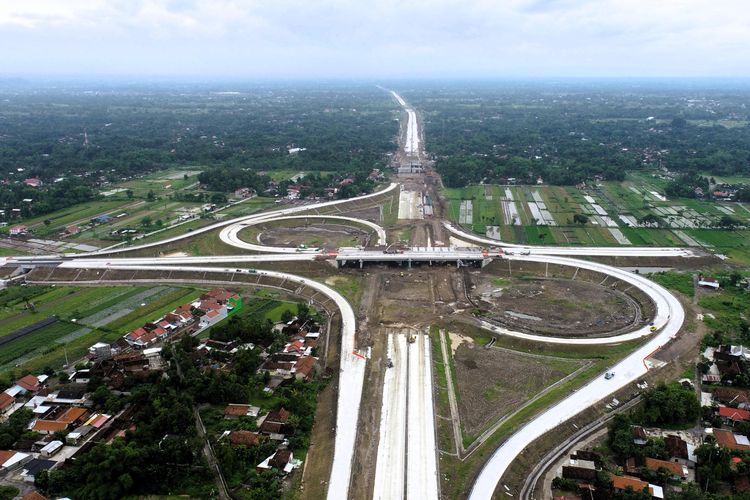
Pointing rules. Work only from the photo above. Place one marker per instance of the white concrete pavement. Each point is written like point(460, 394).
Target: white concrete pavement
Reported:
point(390, 468)
point(411, 142)
point(421, 450)
point(406, 465)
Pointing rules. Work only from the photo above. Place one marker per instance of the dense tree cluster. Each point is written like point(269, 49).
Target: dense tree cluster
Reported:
point(669, 405)
point(570, 132)
point(121, 132)
point(63, 194)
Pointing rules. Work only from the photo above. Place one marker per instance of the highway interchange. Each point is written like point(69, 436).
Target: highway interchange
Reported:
point(668, 321)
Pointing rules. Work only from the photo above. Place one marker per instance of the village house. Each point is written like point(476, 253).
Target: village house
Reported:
point(281, 460)
point(244, 438)
point(19, 230)
point(708, 282)
point(730, 416)
point(678, 472)
point(234, 411)
point(622, 483)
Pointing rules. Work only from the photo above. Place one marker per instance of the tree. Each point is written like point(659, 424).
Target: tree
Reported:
point(287, 316)
point(669, 404)
point(580, 219)
point(303, 311)
point(150, 196)
point(649, 220)
point(146, 221)
point(129, 194)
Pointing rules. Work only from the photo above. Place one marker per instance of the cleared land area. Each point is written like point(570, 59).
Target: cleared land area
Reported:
point(558, 307)
point(311, 235)
point(494, 382)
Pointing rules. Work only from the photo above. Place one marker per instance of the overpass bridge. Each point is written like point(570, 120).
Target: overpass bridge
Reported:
point(462, 257)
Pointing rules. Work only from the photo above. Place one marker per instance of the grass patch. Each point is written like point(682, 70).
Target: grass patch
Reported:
point(681, 282)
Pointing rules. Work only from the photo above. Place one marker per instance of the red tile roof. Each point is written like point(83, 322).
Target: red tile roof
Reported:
point(49, 426)
point(622, 483)
point(236, 410)
point(655, 464)
point(73, 414)
point(244, 438)
point(6, 400)
point(34, 495)
point(6, 455)
point(305, 366)
point(734, 414)
point(726, 439)
point(29, 382)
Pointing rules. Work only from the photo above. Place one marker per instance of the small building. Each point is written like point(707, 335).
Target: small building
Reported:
point(30, 383)
point(72, 229)
point(11, 460)
point(34, 495)
point(676, 470)
point(622, 483)
point(282, 460)
point(579, 470)
point(639, 435)
point(731, 416)
point(19, 230)
point(244, 438)
point(100, 351)
point(275, 422)
point(6, 403)
point(51, 448)
point(233, 411)
point(708, 282)
point(304, 368)
point(34, 182)
point(731, 441)
point(48, 426)
point(34, 467)
point(76, 437)
point(102, 219)
point(74, 415)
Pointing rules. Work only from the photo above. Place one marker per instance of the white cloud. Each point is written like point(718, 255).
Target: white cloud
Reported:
point(384, 37)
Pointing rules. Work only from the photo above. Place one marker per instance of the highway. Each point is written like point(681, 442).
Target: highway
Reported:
point(390, 468)
point(406, 464)
point(411, 143)
point(669, 317)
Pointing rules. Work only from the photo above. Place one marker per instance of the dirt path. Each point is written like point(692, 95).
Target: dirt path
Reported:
point(455, 421)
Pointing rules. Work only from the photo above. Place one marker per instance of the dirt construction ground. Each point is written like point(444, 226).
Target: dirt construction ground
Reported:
point(315, 235)
point(556, 307)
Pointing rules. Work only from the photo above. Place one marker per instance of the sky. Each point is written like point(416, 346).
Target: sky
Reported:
point(270, 39)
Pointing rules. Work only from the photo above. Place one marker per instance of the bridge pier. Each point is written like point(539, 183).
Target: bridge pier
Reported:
point(408, 263)
point(361, 263)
